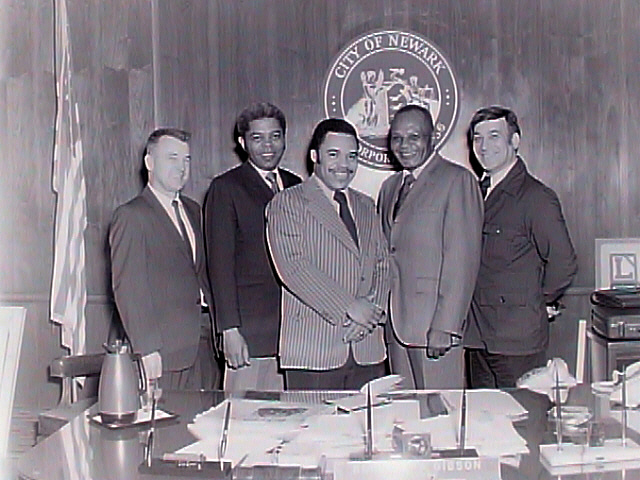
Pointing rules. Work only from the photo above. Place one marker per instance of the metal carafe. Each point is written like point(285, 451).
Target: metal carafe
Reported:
point(118, 393)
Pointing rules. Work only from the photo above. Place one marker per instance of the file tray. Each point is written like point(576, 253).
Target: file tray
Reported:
point(572, 458)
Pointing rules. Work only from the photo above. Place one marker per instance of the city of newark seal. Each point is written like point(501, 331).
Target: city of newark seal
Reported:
point(380, 72)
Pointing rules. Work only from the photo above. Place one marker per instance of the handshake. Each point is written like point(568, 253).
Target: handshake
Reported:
point(362, 317)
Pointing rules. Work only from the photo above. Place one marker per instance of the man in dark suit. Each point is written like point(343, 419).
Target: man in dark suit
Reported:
point(528, 260)
point(159, 270)
point(327, 245)
point(247, 293)
point(431, 215)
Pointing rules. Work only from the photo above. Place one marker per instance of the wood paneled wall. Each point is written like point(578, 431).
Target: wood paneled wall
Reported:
point(569, 68)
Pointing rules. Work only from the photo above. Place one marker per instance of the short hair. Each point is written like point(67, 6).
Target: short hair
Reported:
point(158, 133)
point(331, 125)
point(257, 111)
point(494, 112)
point(322, 129)
point(412, 107)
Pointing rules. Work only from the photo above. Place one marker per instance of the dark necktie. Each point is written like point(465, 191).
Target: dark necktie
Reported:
point(345, 214)
point(273, 182)
point(183, 230)
point(404, 191)
point(485, 183)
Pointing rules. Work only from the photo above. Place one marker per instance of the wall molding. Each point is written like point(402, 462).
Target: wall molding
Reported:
point(45, 298)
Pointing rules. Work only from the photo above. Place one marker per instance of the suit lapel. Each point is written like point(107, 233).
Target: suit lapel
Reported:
point(321, 208)
point(164, 221)
point(254, 183)
point(423, 184)
point(505, 189)
point(363, 221)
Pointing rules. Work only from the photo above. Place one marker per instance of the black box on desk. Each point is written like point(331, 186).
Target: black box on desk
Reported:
point(616, 323)
point(615, 313)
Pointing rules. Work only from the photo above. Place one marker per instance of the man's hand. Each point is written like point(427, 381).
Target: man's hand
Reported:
point(355, 333)
point(152, 364)
point(438, 343)
point(235, 349)
point(365, 313)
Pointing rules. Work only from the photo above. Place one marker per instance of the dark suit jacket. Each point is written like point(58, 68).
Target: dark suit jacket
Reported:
point(155, 282)
point(323, 272)
point(528, 260)
point(246, 291)
point(434, 245)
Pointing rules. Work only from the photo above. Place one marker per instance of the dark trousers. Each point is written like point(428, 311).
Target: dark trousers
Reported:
point(494, 370)
point(205, 373)
point(350, 376)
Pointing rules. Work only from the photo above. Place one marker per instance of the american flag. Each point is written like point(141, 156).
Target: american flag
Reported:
point(69, 285)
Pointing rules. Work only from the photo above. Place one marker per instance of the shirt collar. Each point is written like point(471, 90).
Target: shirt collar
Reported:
point(163, 198)
point(264, 173)
point(418, 170)
point(500, 175)
point(328, 192)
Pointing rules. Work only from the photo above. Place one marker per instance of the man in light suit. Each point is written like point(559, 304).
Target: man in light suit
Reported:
point(431, 215)
point(247, 292)
point(327, 245)
point(159, 271)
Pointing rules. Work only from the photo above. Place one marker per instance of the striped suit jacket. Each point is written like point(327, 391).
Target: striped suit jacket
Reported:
point(323, 272)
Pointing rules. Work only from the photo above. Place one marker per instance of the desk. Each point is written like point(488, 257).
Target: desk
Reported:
point(84, 450)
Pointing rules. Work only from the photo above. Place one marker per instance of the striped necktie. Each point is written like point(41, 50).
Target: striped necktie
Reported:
point(183, 229)
point(273, 182)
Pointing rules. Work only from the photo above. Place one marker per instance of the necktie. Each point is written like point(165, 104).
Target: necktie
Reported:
point(485, 183)
point(404, 191)
point(273, 182)
point(345, 214)
point(183, 230)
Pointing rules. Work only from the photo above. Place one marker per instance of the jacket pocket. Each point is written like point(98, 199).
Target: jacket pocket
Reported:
point(494, 298)
point(504, 243)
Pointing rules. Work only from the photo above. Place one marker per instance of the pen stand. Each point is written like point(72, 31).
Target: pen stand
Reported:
point(583, 446)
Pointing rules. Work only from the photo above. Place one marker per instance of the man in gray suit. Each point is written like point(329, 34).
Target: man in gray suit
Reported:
point(328, 249)
point(159, 271)
point(432, 218)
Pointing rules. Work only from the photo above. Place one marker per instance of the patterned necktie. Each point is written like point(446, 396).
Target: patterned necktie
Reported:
point(345, 214)
point(183, 230)
point(485, 183)
point(273, 182)
point(404, 191)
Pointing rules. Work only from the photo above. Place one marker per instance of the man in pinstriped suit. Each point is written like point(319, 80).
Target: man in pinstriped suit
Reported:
point(329, 251)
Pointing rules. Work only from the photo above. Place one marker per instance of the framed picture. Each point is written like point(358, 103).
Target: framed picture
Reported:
point(617, 262)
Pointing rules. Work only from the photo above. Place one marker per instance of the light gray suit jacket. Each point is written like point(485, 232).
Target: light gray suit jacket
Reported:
point(434, 244)
point(323, 272)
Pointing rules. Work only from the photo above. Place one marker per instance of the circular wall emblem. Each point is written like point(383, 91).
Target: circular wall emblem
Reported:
point(379, 73)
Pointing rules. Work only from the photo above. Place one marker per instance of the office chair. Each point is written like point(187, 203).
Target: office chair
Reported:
point(68, 368)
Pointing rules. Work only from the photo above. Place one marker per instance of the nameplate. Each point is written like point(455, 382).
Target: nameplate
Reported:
point(471, 468)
